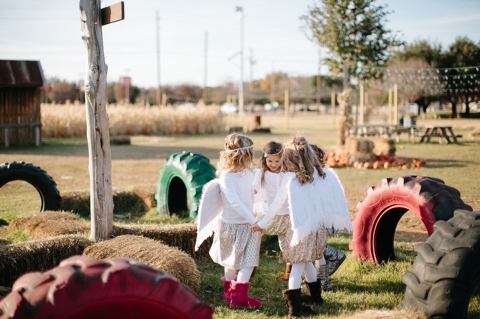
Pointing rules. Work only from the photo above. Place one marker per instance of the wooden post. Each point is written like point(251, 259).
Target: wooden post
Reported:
point(395, 104)
point(100, 162)
point(362, 104)
point(390, 106)
point(287, 108)
point(332, 98)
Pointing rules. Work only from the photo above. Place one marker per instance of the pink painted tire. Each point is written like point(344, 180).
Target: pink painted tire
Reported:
point(84, 287)
point(379, 213)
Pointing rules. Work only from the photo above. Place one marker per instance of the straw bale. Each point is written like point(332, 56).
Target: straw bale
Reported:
point(37, 255)
point(151, 252)
point(124, 202)
point(474, 134)
point(383, 146)
point(181, 236)
point(358, 144)
point(49, 224)
point(360, 157)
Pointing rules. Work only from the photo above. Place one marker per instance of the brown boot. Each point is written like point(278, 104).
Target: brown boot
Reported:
point(313, 292)
point(293, 300)
point(288, 268)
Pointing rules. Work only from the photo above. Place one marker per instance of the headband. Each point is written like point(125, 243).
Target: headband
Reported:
point(265, 154)
point(239, 149)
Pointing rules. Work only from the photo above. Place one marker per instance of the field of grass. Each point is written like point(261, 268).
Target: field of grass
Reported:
point(359, 285)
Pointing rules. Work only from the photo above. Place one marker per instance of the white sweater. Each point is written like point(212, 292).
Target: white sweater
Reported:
point(269, 190)
point(237, 195)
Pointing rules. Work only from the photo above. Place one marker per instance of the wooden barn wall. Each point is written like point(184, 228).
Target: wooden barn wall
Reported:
point(19, 106)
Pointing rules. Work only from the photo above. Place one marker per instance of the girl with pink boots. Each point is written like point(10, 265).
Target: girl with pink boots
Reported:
point(226, 209)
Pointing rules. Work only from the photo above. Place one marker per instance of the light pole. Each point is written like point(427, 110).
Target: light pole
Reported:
point(240, 84)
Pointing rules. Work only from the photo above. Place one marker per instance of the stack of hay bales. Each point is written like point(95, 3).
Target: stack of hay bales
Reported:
point(152, 253)
point(365, 150)
point(37, 255)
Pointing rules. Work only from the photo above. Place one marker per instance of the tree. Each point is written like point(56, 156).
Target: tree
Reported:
point(461, 73)
point(420, 50)
point(62, 91)
point(354, 33)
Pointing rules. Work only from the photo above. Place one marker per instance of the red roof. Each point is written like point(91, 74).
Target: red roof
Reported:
point(21, 74)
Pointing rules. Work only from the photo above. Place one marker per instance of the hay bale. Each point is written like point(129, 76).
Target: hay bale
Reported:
point(474, 134)
point(150, 252)
point(181, 236)
point(358, 144)
point(134, 203)
point(37, 255)
point(360, 157)
point(383, 146)
point(49, 224)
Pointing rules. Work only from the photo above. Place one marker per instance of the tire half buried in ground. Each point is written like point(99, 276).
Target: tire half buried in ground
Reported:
point(379, 213)
point(179, 187)
point(35, 176)
point(446, 271)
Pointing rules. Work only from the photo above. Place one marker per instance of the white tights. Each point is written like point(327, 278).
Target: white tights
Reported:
point(244, 274)
point(295, 279)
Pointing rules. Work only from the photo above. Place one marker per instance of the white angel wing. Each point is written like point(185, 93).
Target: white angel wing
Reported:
point(321, 203)
point(209, 211)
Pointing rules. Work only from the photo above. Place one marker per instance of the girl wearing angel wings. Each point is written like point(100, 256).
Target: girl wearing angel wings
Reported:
point(226, 209)
point(316, 200)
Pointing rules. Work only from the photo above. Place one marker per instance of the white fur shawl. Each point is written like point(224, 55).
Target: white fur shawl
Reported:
point(315, 204)
point(211, 206)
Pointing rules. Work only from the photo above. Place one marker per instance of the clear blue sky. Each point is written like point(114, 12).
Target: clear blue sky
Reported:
point(49, 31)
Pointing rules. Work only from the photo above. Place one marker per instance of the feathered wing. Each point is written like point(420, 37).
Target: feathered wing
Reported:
point(317, 204)
point(209, 211)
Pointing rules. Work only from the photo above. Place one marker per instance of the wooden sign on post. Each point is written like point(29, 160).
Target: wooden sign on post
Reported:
point(98, 136)
point(113, 13)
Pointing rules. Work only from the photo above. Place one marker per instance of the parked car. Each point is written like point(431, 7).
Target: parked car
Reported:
point(228, 108)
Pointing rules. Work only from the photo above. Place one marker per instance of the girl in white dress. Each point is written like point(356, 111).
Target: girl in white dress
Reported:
point(316, 200)
point(235, 246)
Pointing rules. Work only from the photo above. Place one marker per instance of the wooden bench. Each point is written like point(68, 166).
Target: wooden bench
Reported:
point(36, 125)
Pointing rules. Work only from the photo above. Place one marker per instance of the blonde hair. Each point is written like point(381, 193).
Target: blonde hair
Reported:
point(237, 154)
point(272, 148)
point(299, 157)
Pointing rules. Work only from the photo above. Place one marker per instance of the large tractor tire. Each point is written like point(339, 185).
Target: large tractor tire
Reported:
point(35, 176)
point(179, 187)
point(83, 287)
point(447, 268)
point(379, 213)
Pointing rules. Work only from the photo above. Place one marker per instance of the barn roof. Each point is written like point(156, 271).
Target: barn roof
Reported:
point(21, 74)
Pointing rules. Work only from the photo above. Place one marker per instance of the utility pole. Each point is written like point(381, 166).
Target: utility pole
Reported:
point(158, 60)
point(240, 84)
point(205, 70)
point(272, 86)
point(252, 63)
point(318, 78)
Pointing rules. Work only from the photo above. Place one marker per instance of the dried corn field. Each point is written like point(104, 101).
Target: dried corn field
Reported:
point(70, 120)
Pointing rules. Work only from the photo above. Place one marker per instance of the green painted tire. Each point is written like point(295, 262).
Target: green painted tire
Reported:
point(179, 187)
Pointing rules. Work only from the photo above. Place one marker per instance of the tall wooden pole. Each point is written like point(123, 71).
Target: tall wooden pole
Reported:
point(395, 104)
point(287, 108)
point(390, 106)
point(332, 98)
point(100, 161)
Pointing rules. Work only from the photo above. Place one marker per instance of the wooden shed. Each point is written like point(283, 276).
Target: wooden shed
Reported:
point(21, 85)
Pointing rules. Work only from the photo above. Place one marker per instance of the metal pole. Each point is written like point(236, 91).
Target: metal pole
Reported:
point(240, 84)
point(159, 102)
point(205, 71)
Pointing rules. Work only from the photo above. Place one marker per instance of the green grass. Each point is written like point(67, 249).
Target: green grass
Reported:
point(359, 285)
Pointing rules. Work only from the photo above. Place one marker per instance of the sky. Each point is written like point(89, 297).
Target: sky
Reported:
point(200, 40)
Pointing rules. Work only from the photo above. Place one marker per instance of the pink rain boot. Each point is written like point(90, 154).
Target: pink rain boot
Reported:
point(240, 298)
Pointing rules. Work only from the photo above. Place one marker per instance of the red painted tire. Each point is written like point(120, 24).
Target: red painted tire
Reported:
point(84, 287)
point(378, 214)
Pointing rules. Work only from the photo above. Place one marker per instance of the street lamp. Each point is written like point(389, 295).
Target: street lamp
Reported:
point(240, 84)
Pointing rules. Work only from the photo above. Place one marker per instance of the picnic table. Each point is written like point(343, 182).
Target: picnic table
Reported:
point(442, 131)
point(385, 130)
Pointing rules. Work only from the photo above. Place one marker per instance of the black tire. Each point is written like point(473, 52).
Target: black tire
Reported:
point(35, 176)
point(179, 188)
point(84, 287)
point(379, 213)
point(446, 269)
